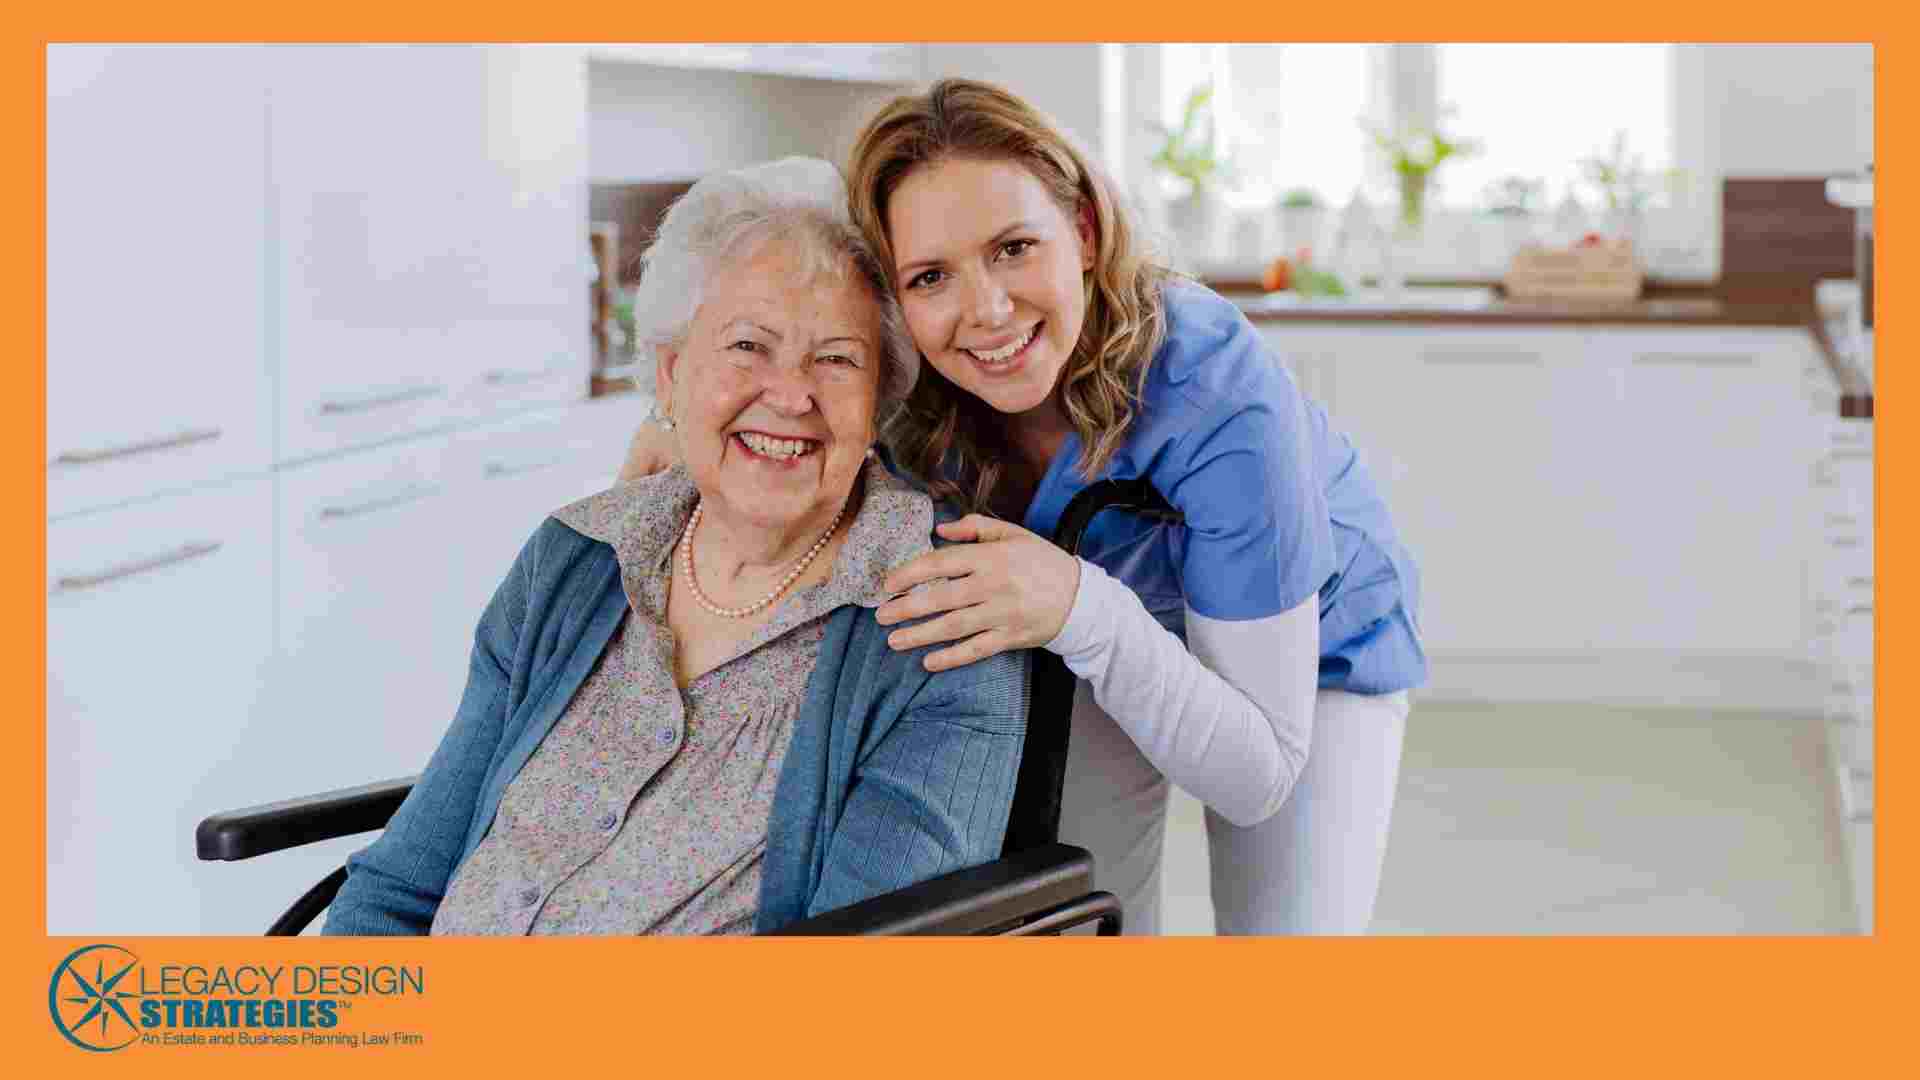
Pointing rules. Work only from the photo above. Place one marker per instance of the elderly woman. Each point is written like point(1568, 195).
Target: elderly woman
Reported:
point(681, 715)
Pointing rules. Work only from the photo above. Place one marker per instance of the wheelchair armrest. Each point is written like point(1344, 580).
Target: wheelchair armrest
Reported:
point(967, 901)
point(260, 830)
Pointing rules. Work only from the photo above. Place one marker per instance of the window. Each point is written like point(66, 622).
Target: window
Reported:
point(1295, 116)
point(1287, 115)
point(1539, 109)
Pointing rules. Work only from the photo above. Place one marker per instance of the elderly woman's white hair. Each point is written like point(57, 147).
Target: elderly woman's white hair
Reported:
point(728, 216)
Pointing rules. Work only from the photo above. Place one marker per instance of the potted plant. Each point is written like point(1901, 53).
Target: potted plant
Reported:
point(1189, 156)
point(1415, 155)
point(1626, 187)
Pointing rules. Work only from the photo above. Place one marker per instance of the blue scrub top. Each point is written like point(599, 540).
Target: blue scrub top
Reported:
point(1278, 505)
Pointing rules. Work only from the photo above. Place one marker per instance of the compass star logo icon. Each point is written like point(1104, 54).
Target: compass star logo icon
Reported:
point(88, 1001)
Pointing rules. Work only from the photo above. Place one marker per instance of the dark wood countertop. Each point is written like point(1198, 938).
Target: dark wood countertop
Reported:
point(1662, 305)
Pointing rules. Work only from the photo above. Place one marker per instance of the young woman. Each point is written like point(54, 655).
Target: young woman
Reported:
point(1258, 654)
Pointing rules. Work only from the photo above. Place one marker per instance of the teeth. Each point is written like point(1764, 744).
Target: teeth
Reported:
point(998, 355)
point(780, 448)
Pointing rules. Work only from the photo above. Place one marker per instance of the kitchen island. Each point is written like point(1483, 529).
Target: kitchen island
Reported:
point(1624, 503)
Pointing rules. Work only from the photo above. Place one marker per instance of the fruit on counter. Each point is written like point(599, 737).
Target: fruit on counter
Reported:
point(1299, 274)
point(1278, 275)
point(1592, 239)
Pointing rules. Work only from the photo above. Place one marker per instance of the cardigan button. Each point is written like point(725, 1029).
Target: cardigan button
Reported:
point(663, 736)
point(608, 820)
point(529, 896)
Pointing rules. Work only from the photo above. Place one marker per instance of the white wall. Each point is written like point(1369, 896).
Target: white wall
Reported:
point(648, 123)
point(1784, 110)
point(1062, 81)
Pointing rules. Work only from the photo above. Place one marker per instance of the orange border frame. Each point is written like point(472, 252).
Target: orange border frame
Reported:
point(916, 1008)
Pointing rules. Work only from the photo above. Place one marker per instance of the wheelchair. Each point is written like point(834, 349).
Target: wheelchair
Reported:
point(1038, 886)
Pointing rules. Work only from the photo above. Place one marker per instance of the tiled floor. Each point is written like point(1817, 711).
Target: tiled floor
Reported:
point(1591, 820)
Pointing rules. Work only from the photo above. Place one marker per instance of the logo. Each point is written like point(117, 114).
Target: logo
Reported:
point(88, 998)
point(104, 998)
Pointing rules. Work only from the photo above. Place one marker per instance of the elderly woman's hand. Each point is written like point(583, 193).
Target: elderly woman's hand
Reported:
point(651, 451)
point(1005, 588)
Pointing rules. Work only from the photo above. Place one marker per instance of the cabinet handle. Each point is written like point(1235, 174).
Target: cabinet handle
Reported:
point(77, 582)
point(498, 469)
point(414, 494)
point(346, 406)
point(1859, 783)
point(1668, 359)
point(170, 442)
point(508, 376)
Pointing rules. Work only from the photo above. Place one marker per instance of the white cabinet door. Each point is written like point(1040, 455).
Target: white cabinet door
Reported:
point(159, 623)
point(156, 240)
point(389, 557)
point(1479, 441)
point(506, 478)
point(430, 219)
point(371, 654)
point(1704, 471)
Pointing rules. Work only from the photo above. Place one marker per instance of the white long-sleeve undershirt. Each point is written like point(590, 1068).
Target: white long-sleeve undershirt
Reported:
point(1228, 716)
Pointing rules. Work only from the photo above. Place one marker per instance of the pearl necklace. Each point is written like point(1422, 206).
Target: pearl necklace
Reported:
point(686, 561)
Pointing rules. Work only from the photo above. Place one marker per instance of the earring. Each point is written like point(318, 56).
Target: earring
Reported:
point(660, 416)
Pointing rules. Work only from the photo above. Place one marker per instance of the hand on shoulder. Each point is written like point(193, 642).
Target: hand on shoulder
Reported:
point(996, 587)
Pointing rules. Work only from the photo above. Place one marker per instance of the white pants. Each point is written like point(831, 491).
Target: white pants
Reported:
point(1313, 868)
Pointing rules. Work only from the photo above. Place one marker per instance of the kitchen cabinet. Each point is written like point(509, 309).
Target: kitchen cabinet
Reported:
point(509, 476)
point(159, 630)
point(427, 244)
point(1843, 636)
point(157, 378)
point(371, 650)
point(388, 558)
point(1598, 513)
point(239, 645)
point(1455, 425)
point(875, 63)
point(1702, 463)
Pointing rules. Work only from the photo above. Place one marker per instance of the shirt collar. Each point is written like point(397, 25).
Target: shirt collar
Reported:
point(642, 521)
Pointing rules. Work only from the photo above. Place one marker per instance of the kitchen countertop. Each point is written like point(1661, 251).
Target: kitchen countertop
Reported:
point(1483, 306)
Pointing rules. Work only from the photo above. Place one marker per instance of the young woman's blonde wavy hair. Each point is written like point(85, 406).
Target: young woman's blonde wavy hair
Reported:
point(1101, 385)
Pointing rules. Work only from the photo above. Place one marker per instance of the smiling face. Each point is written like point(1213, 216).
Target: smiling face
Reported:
point(774, 390)
point(990, 270)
